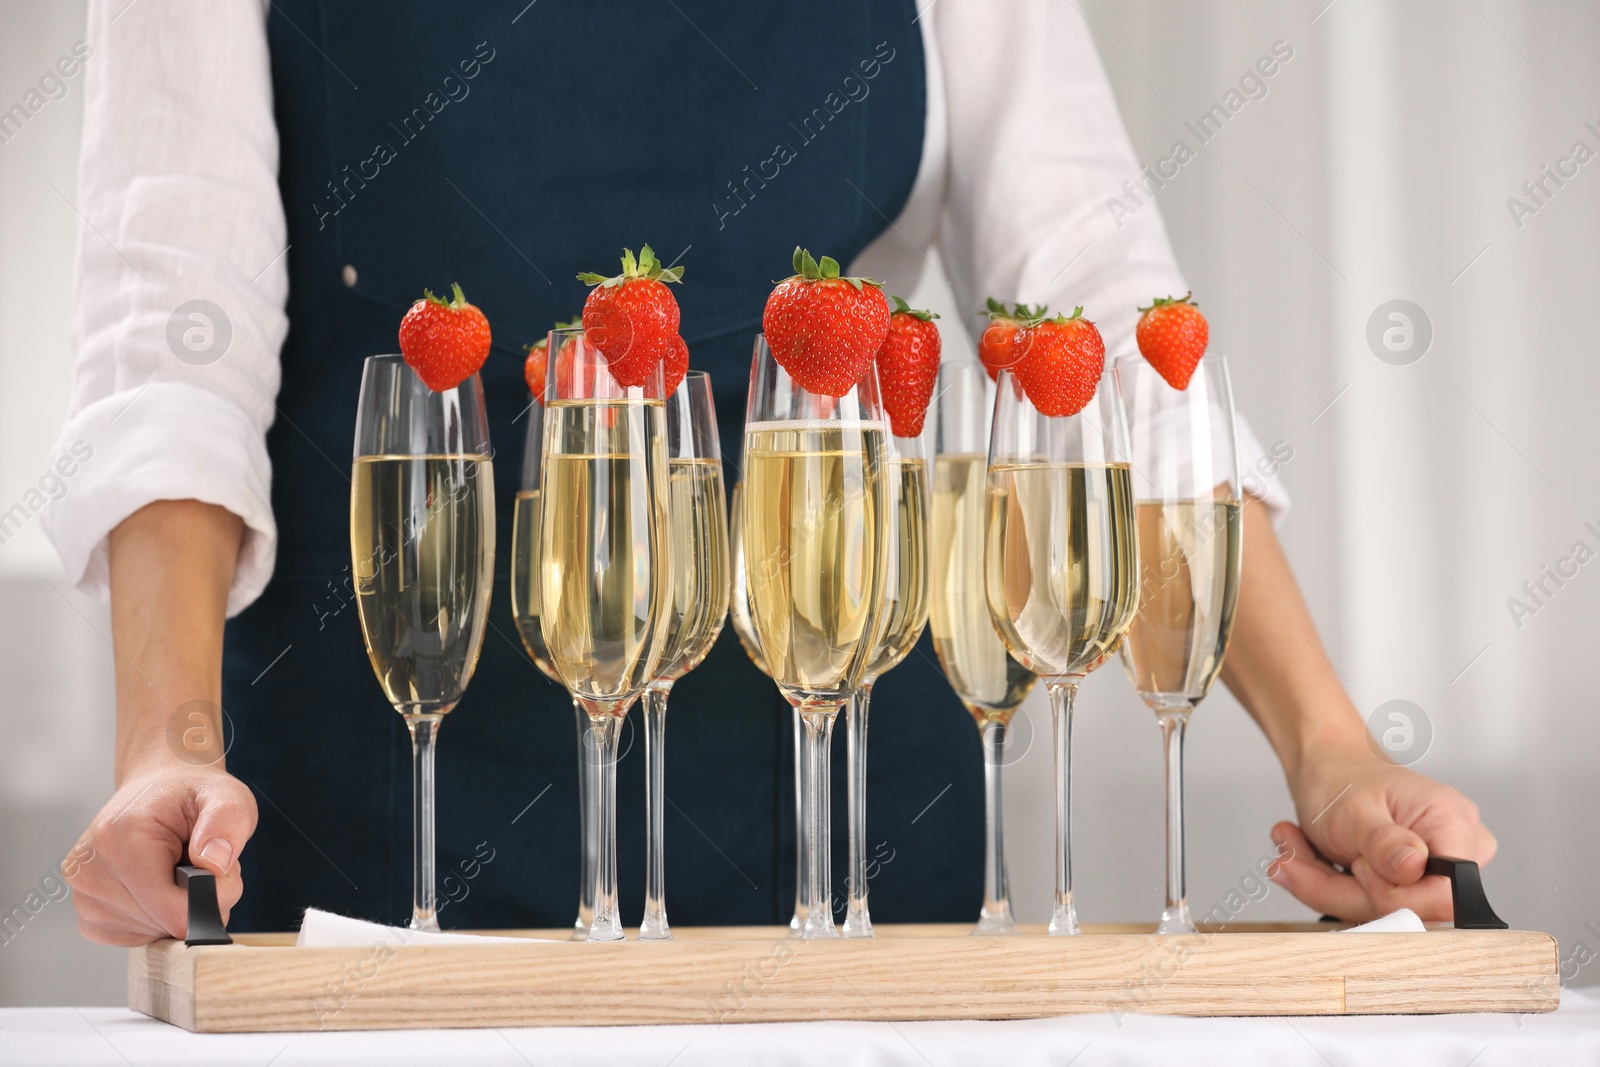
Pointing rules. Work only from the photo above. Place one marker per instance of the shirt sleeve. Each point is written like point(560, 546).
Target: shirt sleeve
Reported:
point(181, 281)
point(1036, 149)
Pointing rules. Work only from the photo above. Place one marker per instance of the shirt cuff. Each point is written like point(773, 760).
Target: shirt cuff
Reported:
point(167, 441)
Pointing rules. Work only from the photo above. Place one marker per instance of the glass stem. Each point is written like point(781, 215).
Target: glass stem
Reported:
point(424, 731)
point(1175, 916)
point(607, 925)
point(654, 925)
point(996, 916)
point(588, 825)
point(817, 816)
point(1064, 920)
point(799, 917)
point(857, 923)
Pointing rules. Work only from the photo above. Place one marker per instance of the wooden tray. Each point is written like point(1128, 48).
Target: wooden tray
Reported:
point(756, 974)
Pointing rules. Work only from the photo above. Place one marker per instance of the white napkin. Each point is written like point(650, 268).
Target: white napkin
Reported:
point(324, 929)
point(1404, 921)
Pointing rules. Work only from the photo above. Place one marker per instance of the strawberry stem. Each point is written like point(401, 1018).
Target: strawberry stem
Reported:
point(808, 269)
point(897, 306)
point(1076, 316)
point(1163, 301)
point(647, 266)
point(457, 301)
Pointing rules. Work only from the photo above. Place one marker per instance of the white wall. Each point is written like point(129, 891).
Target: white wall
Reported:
point(1376, 167)
point(55, 660)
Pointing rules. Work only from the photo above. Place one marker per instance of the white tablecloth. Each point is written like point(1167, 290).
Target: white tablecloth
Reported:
point(120, 1036)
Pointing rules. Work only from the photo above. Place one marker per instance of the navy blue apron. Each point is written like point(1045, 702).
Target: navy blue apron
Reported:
point(507, 146)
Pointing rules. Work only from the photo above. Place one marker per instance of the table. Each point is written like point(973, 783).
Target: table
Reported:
point(121, 1036)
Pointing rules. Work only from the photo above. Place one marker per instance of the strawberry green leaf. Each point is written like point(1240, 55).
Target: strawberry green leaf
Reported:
point(897, 306)
point(1163, 301)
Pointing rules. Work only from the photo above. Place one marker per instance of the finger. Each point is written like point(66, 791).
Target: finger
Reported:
point(226, 818)
point(1313, 882)
point(1396, 854)
point(114, 934)
point(1429, 897)
point(94, 877)
point(105, 917)
point(143, 860)
point(1452, 827)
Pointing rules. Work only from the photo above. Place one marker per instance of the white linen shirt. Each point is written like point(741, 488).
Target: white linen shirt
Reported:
point(177, 186)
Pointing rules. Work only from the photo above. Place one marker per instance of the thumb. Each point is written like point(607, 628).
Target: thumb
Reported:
point(1393, 852)
point(225, 819)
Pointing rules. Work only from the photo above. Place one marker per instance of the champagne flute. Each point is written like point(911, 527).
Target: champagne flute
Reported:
point(1189, 530)
point(699, 546)
point(984, 674)
point(422, 549)
point(905, 606)
point(738, 589)
point(1060, 562)
point(744, 628)
point(605, 578)
point(525, 610)
point(816, 550)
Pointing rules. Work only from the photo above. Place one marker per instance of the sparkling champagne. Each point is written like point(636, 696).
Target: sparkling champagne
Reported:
point(699, 532)
point(525, 580)
point(422, 539)
point(605, 559)
point(815, 551)
point(1188, 589)
point(1060, 562)
point(906, 582)
point(744, 626)
point(987, 677)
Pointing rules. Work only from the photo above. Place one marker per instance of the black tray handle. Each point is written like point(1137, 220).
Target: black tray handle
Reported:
point(1467, 901)
point(205, 918)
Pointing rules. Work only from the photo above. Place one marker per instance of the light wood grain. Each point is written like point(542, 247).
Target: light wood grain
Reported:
point(755, 974)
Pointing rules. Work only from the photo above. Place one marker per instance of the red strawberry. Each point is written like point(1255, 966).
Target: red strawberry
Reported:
point(997, 346)
point(824, 329)
point(676, 365)
point(1172, 336)
point(908, 366)
point(533, 367)
point(1065, 358)
point(444, 342)
point(632, 317)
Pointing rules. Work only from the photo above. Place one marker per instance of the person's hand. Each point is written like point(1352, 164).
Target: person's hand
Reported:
point(122, 882)
point(1381, 822)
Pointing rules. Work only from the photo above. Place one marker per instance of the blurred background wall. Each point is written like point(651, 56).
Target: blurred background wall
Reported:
point(1429, 482)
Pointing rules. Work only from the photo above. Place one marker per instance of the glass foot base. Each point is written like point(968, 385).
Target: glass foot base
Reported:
point(858, 924)
point(815, 927)
point(429, 925)
point(1176, 921)
point(654, 931)
point(1064, 923)
point(995, 924)
point(606, 930)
